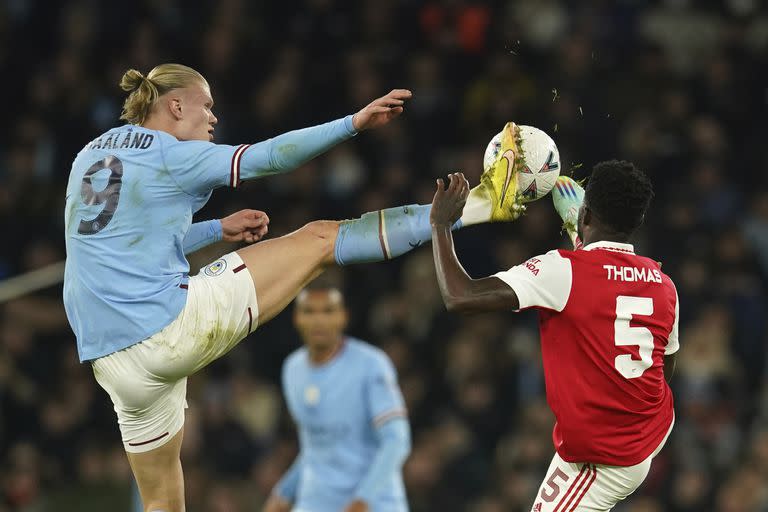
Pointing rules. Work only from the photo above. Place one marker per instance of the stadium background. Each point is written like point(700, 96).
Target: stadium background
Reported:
point(677, 88)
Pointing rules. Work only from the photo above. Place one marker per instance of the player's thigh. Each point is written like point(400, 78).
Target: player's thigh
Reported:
point(149, 409)
point(613, 484)
point(569, 487)
point(221, 310)
point(281, 267)
point(561, 480)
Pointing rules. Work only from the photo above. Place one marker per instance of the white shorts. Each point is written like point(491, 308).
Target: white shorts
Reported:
point(147, 382)
point(580, 487)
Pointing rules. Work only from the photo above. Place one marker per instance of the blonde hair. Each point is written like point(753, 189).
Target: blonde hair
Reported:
point(145, 90)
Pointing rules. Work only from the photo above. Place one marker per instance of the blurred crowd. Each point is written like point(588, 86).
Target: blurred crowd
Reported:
point(677, 86)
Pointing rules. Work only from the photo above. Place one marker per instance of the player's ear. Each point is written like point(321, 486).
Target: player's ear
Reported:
point(586, 215)
point(174, 105)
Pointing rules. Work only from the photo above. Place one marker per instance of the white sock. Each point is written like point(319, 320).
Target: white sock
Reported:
point(478, 208)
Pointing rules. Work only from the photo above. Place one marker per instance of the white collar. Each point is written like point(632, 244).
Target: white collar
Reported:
point(611, 246)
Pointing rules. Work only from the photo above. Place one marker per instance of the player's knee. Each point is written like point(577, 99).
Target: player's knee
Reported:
point(323, 232)
point(324, 229)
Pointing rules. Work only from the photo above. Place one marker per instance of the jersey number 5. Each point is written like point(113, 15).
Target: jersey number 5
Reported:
point(109, 196)
point(625, 335)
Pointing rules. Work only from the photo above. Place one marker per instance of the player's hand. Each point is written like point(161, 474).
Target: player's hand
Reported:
point(448, 204)
point(277, 503)
point(357, 506)
point(245, 226)
point(381, 110)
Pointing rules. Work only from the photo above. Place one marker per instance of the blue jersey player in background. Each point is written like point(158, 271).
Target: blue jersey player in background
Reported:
point(353, 428)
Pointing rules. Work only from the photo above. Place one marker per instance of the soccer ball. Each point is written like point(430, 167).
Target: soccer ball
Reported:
point(541, 162)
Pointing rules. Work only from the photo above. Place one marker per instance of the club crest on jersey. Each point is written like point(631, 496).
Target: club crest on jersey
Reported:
point(215, 268)
point(311, 395)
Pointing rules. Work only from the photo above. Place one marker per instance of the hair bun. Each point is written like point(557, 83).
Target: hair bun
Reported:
point(132, 80)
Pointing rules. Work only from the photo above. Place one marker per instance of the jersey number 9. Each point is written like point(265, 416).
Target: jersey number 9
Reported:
point(109, 196)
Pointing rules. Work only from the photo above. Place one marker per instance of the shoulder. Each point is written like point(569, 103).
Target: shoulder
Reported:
point(367, 354)
point(295, 361)
point(552, 263)
point(166, 138)
point(558, 257)
point(670, 287)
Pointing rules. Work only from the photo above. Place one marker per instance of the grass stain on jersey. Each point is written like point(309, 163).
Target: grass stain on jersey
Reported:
point(71, 212)
point(287, 149)
point(135, 240)
point(135, 194)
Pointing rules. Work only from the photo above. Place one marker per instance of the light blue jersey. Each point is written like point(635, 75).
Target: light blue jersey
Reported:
point(353, 431)
point(128, 222)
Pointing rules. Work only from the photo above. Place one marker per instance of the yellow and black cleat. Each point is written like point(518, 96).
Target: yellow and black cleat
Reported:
point(498, 184)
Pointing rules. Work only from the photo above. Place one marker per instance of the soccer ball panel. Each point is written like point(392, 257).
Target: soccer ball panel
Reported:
point(542, 162)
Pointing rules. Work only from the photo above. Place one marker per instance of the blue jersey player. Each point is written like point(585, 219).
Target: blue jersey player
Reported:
point(139, 318)
point(353, 431)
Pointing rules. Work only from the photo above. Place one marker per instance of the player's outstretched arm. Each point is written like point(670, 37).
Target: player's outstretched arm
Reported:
point(292, 149)
point(460, 292)
point(381, 110)
point(199, 167)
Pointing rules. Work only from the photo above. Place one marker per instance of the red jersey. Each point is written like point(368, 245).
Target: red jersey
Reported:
point(607, 318)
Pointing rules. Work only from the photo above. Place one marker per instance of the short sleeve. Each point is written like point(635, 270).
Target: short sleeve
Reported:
point(544, 281)
point(673, 341)
point(385, 401)
point(199, 167)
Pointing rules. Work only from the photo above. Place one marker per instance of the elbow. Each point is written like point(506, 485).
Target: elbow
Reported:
point(455, 304)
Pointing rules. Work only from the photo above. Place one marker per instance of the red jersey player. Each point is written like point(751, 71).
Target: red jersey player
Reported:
point(608, 324)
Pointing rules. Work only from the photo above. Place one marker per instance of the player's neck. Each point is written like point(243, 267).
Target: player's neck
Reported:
point(601, 235)
point(319, 355)
point(156, 122)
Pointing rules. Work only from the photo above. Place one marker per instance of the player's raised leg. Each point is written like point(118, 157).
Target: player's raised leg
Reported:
point(281, 267)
